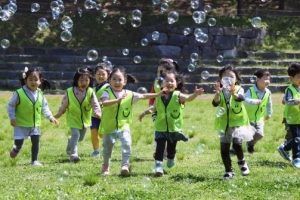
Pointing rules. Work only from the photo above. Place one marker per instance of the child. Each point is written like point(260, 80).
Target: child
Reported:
point(232, 123)
point(169, 119)
point(117, 117)
point(79, 102)
point(25, 109)
point(258, 104)
point(292, 113)
point(101, 75)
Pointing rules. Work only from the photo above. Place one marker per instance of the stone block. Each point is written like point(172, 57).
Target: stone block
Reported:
point(178, 40)
point(223, 42)
point(163, 39)
point(187, 50)
point(34, 51)
point(167, 51)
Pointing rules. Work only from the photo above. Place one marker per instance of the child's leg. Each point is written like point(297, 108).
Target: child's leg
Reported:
point(295, 129)
point(171, 149)
point(125, 138)
point(18, 145)
point(82, 133)
point(75, 134)
point(94, 138)
point(225, 156)
point(258, 135)
point(237, 146)
point(160, 148)
point(35, 147)
point(108, 143)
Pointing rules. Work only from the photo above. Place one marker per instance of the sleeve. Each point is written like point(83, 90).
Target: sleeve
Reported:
point(104, 95)
point(269, 107)
point(46, 110)
point(248, 98)
point(136, 97)
point(64, 105)
point(241, 94)
point(12, 104)
point(288, 98)
point(95, 104)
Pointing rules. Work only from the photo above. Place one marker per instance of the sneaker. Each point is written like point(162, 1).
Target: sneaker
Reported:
point(170, 162)
point(250, 148)
point(125, 170)
point(96, 153)
point(232, 152)
point(68, 149)
point(36, 163)
point(244, 167)
point(159, 171)
point(13, 153)
point(74, 158)
point(283, 153)
point(228, 175)
point(105, 170)
point(296, 162)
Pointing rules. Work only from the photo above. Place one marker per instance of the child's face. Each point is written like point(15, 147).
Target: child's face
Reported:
point(263, 82)
point(230, 74)
point(101, 75)
point(117, 81)
point(83, 82)
point(295, 80)
point(33, 81)
point(170, 82)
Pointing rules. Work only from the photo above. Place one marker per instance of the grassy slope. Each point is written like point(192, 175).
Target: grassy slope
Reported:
point(196, 176)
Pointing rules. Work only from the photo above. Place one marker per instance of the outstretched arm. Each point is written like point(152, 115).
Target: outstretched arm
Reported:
point(150, 110)
point(191, 97)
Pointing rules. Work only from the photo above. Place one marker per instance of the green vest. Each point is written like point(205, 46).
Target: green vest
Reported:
point(79, 114)
point(235, 113)
point(293, 111)
point(256, 113)
point(28, 113)
point(169, 116)
point(100, 92)
point(117, 116)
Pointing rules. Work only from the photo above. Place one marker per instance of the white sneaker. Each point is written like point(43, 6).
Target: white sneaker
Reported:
point(74, 158)
point(159, 171)
point(125, 170)
point(243, 167)
point(36, 163)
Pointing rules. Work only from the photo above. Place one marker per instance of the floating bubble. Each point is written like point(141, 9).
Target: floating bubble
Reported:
point(227, 82)
point(92, 55)
point(203, 38)
point(137, 59)
point(136, 14)
point(297, 139)
point(191, 67)
point(35, 7)
point(264, 1)
point(211, 21)
point(278, 33)
point(125, 52)
point(220, 58)
point(155, 2)
point(142, 90)
point(220, 111)
point(155, 35)
point(164, 7)
point(253, 79)
point(207, 8)
point(122, 20)
point(12, 7)
point(144, 42)
point(66, 36)
point(104, 58)
point(108, 65)
point(67, 22)
point(54, 5)
point(43, 24)
point(173, 17)
point(79, 12)
point(204, 75)
point(55, 14)
point(146, 182)
point(135, 23)
point(104, 15)
point(186, 31)
point(99, 6)
point(197, 32)
point(256, 22)
point(4, 15)
point(199, 17)
point(194, 4)
point(194, 57)
point(90, 4)
point(159, 81)
point(5, 43)
point(200, 148)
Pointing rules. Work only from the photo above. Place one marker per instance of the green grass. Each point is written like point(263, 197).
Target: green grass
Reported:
point(197, 174)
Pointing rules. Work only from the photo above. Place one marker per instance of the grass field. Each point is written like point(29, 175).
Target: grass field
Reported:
point(197, 174)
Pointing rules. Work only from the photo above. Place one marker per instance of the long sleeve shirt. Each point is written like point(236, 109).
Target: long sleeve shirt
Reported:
point(288, 98)
point(15, 100)
point(260, 94)
point(80, 96)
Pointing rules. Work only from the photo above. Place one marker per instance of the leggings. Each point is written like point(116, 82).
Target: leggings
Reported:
point(225, 147)
point(35, 147)
point(160, 148)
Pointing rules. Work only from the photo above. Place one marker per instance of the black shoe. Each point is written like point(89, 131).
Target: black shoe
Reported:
point(250, 148)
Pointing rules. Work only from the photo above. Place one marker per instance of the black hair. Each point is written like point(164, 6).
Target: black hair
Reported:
point(261, 72)
point(83, 71)
point(128, 77)
point(168, 64)
point(102, 66)
point(293, 69)
point(231, 68)
point(180, 79)
point(45, 84)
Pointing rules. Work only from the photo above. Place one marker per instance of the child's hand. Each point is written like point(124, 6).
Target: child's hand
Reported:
point(232, 89)
point(57, 116)
point(258, 102)
point(199, 91)
point(54, 121)
point(13, 122)
point(141, 116)
point(122, 97)
point(218, 87)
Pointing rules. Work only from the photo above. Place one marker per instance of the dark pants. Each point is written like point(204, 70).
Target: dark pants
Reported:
point(225, 147)
point(35, 141)
point(160, 148)
point(292, 144)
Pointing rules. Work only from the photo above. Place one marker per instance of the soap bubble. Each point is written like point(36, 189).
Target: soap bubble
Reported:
point(125, 52)
point(146, 182)
point(5, 43)
point(160, 81)
point(35, 7)
point(186, 31)
point(211, 21)
point(194, 57)
point(253, 79)
point(207, 8)
point(297, 139)
point(67, 22)
point(43, 24)
point(194, 4)
point(135, 23)
point(278, 33)
point(142, 90)
point(66, 36)
point(203, 38)
point(99, 6)
point(200, 148)
point(79, 12)
point(199, 17)
point(155, 2)
point(191, 67)
point(256, 22)
point(137, 59)
point(122, 20)
point(136, 14)
point(197, 32)
point(92, 55)
point(90, 4)
point(164, 7)
point(144, 42)
point(220, 58)
point(227, 82)
point(173, 17)
point(155, 35)
point(204, 75)
point(220, 111)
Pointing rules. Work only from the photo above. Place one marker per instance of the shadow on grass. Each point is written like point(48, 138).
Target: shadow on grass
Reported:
point(191, 178)
point(274, 164)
